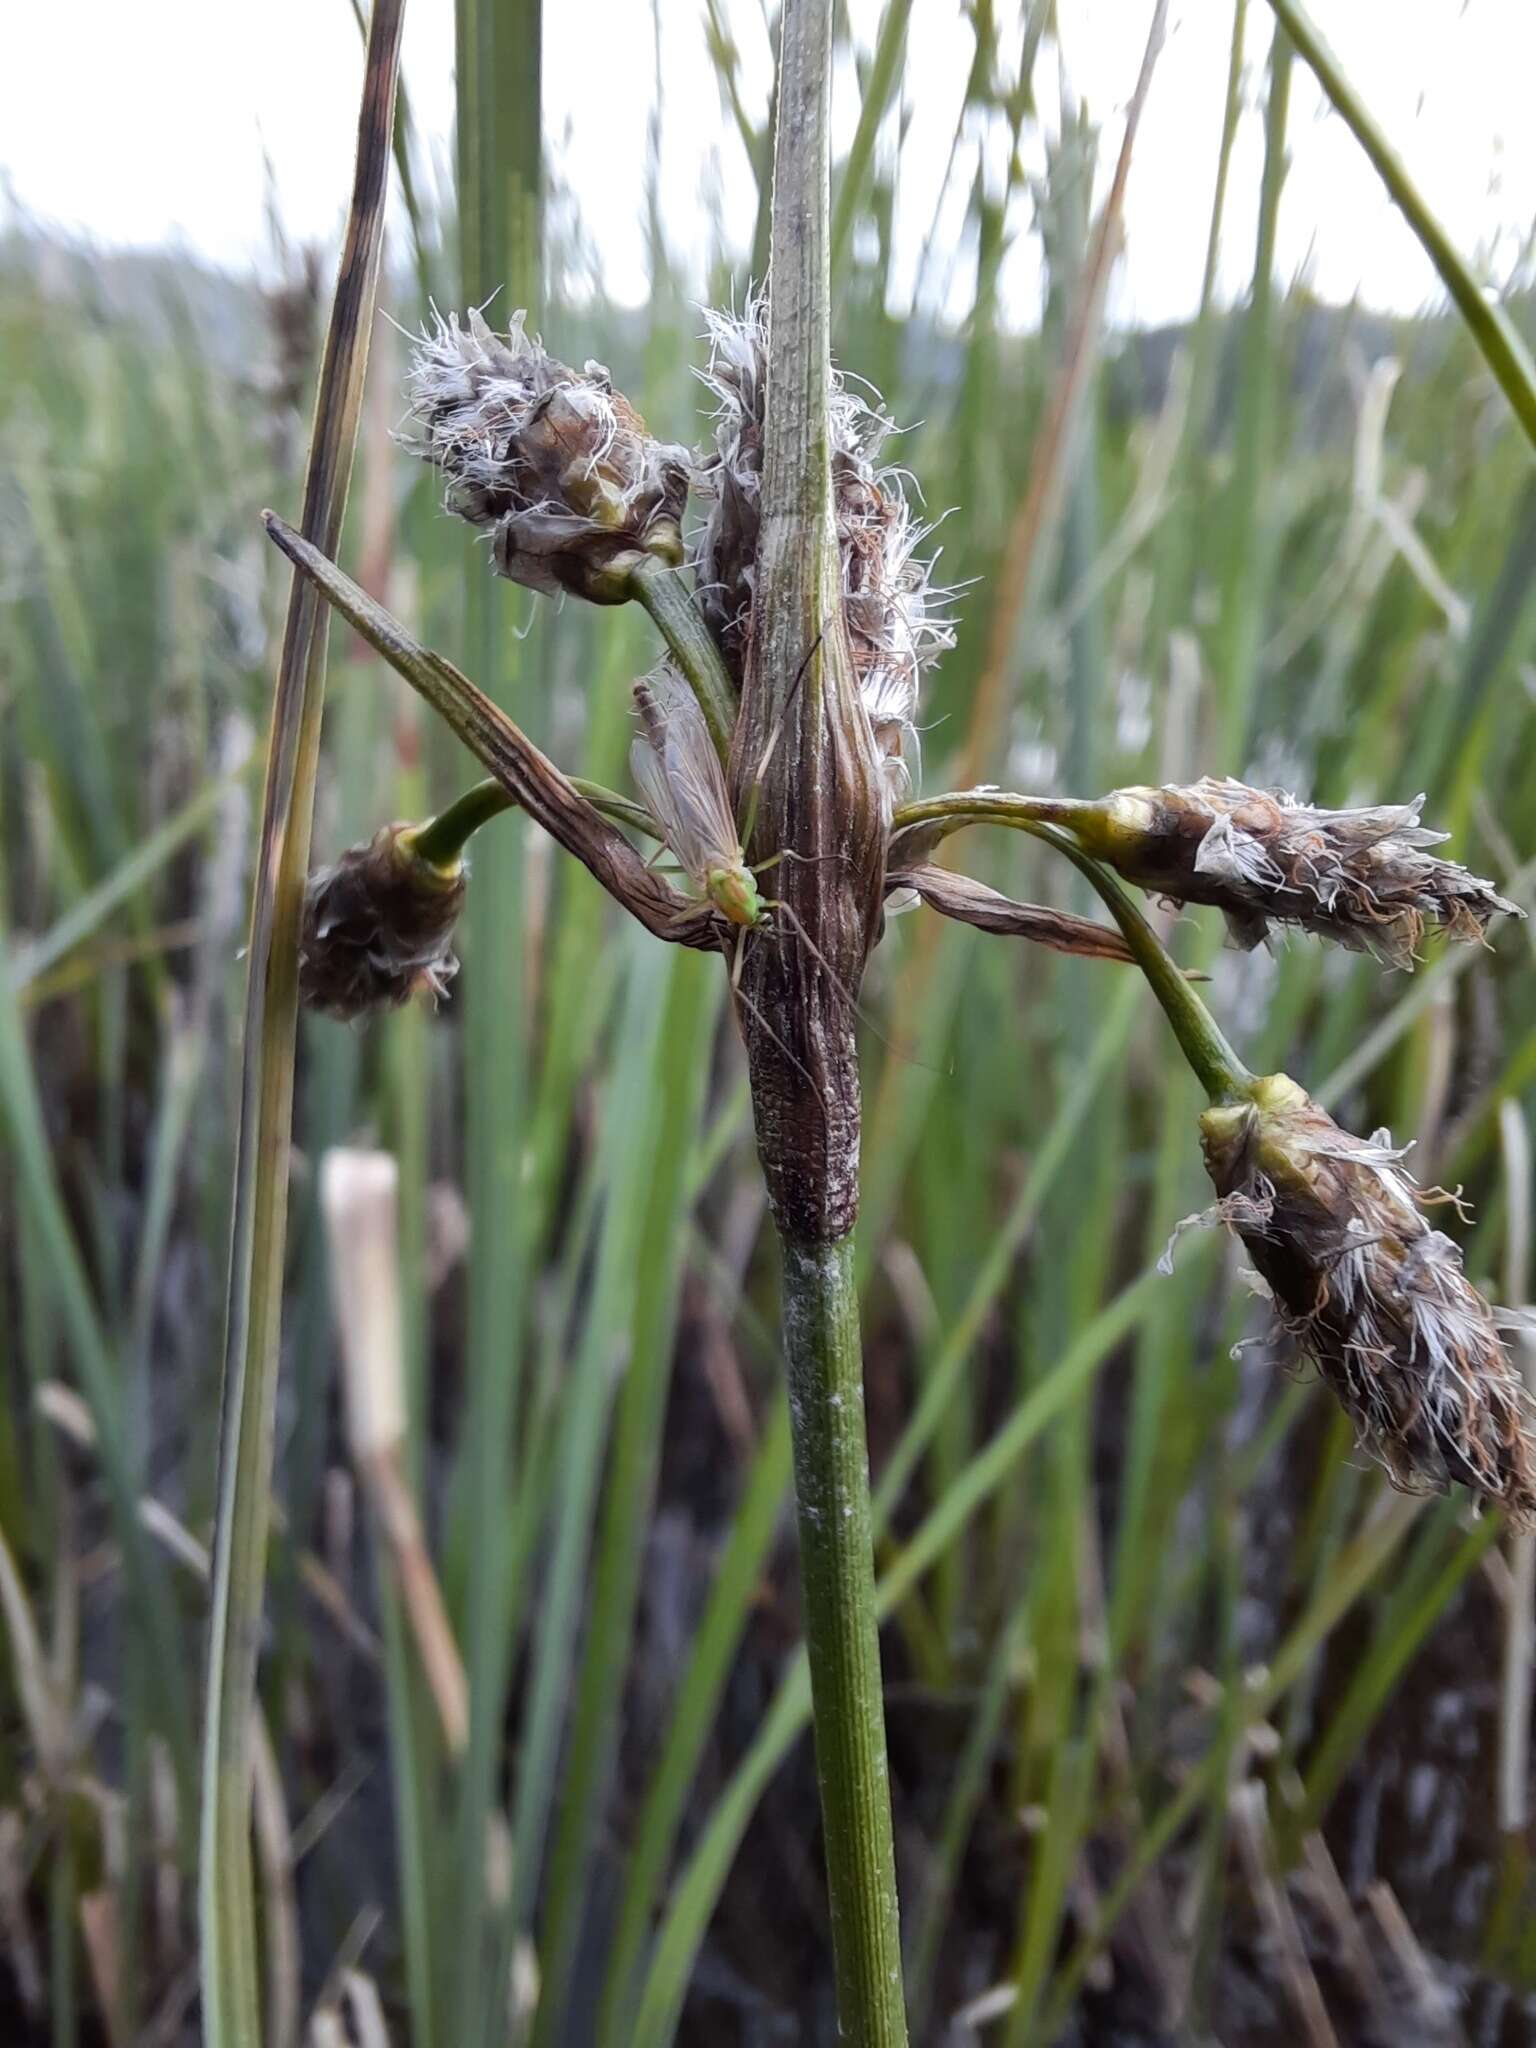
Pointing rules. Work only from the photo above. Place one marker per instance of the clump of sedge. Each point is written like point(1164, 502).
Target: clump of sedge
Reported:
point(1367, 1288)
point(889, 602)
point(377, 926)
point(1361, 877)
point(552, 462)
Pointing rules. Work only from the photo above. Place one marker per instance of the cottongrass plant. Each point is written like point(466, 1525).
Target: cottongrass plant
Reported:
point(1335, 1225)
point(779, 736)
point(1360, 1280)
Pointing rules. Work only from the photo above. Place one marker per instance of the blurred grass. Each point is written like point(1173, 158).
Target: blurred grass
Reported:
point(1123, 1569)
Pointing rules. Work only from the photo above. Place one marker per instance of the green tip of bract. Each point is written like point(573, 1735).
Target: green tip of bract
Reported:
point(1370, 1290)
point(377, 926)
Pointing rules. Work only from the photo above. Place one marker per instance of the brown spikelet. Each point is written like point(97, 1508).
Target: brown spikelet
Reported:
point(1371, 1291)
point(731, 477)
point(377, 925)
point(1361, 878)
point(893, 614)
point(553, 462)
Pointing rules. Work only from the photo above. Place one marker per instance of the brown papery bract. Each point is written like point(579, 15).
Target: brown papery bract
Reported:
point(377, 926)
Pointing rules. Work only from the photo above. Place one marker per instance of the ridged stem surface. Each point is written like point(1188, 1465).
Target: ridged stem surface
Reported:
point(826, 1406)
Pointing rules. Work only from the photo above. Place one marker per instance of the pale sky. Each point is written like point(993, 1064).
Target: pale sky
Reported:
point(142, 124)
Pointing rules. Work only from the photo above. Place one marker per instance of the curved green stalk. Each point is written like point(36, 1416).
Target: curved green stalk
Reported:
point(1216, 1065)
point(666, 597)
point(442, 840)
point(947, 813)
point(1490, 325)
point(1201, 1039)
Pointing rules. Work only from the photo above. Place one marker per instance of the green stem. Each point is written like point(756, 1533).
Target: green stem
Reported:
point(1201, 1039)
point(1216, 1065)
point(442, 840)
point(1492, 329)
point(666, 597)
point(820, 803)
point(499, 190)
point(826, 1401)
point(986, 807)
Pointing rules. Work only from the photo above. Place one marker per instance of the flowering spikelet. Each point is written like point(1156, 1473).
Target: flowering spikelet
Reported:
point(1361, 877)
point(554, 463)
point(1369, 1289)
point(888, 598)
point(377, 923)
point(726, 552)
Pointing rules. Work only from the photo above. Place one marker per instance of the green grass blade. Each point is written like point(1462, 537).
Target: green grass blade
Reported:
point(231, 2014)
point(500, 197)
point(69, 1290)
point(1410, 1612)
point(883, 85)
point(698, 1698)
point(117, 888)
point(699, 1885)
point(678, 1067)
point(1487, 322)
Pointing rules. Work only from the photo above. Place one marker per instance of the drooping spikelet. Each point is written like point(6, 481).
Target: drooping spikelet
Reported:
point(553, 462)
point(1366, 1287)
point(1361, 878)
point(377, 926)
point(889, 601)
